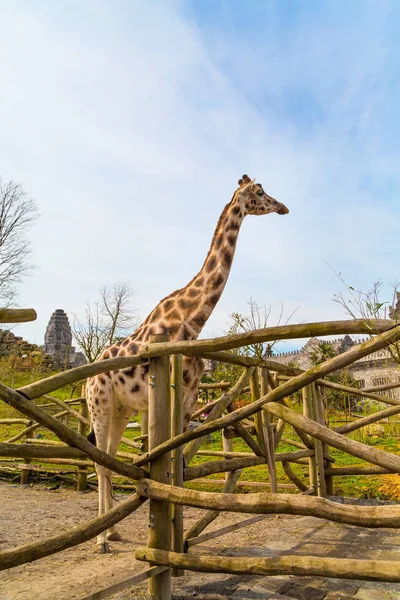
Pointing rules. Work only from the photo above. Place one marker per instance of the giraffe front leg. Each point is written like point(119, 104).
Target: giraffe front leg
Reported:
point(120, 420)
point(103, 475)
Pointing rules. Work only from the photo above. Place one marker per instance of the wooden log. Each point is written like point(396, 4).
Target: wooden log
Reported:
point(145, 429)
point(217, 411)
point(224, 530)
point(293, 442)
point(17, 315)
point(247, 361)
point(319, 452)
point(211, 515)
point(325, 448)
point(382, 388)
point(79, 416)
point(13, 398)
point(268, 334)
point(39, 452)
point(127, 455)
point(357, 392)
point(49, 384)
point(372, 455)
point(345, 568)
point(357, 470)
point(215, 386)
point(73, 537)
point(265, 503)
point(293, 477)
point(232, 464)
point(254, 484)
point(308, 412)
point(266, 383)
point(160, 521)
point(15, 421)
point(223, 454)
point(286, 389)
point(258, 423)
point(177, 454)
point(364, 421)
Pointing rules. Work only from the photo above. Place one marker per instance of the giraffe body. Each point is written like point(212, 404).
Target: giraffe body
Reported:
point(113, 397)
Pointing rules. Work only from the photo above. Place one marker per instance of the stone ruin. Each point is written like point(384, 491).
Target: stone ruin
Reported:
point(11, 344)
point(58, 342)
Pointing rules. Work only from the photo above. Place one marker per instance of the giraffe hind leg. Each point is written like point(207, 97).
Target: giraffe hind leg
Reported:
point(118, 425)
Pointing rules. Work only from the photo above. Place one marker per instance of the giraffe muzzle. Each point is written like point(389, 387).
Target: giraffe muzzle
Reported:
point(282, 210)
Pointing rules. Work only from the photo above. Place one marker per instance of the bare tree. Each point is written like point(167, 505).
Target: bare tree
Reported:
point(17, 213)
point(106, 321)
point(370, 305)
point(257, 318)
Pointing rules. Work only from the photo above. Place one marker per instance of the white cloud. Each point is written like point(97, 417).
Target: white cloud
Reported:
point(121, 120)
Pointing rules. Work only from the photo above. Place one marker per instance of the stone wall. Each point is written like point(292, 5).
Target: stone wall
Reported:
point(11, 344)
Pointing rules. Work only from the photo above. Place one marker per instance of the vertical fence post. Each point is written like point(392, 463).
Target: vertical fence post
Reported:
point(159, 535)
point(269, 434)
point(321, 417)
point(177, 454)
point(227, 444)
point(145, 429)
point(308, 412)
point(319, 453)
point(82, 429)
point(255, 395)
point(25, 471)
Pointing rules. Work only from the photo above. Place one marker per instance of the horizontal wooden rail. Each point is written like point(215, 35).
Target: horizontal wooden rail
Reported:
point(17, 315)
point(73, 537)
point(345, 568)
point(246, 361)
point(382, 388)
point(357, 392)
point(365, 421)
point(49, 384)
point(266, 503)
point(268, 334)
point(222, 385)
point(357, 470)
point(232, 464)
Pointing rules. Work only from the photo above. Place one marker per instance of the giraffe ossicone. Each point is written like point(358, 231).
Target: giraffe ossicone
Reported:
point(113, 397)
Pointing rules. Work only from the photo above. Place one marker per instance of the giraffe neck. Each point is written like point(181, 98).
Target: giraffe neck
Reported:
point(184, 313)
point(198, 299)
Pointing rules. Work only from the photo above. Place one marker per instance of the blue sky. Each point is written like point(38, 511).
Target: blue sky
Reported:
point(130, 122)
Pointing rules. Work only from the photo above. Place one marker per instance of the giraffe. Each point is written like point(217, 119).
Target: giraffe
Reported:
point(113, 397)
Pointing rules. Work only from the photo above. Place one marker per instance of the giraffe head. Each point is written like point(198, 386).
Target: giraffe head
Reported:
point(256, 201)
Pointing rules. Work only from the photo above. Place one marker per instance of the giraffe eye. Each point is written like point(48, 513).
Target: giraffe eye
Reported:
point(260, 193)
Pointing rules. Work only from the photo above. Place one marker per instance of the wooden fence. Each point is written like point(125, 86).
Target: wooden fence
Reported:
point(160, 472)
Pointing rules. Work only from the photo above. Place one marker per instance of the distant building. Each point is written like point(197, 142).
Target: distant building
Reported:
point(372, 370)
point(58, 342)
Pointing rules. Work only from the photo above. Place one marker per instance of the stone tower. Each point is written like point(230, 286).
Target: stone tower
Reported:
point(58, 342)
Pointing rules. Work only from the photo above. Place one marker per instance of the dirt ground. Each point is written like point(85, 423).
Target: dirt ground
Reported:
point(34, 513)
